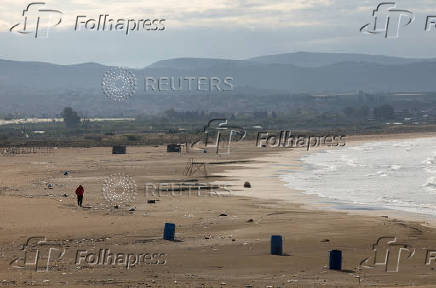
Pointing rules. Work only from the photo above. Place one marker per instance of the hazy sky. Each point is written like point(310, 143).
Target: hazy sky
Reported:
point(235, 29)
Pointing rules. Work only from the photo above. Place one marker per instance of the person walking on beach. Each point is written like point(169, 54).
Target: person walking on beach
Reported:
point(79, 193)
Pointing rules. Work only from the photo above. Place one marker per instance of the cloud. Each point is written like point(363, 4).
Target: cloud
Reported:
point(210, 13)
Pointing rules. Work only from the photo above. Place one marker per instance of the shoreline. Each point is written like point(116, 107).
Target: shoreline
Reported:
point(275, 161)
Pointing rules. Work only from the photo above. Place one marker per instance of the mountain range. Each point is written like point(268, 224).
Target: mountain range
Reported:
point(44, 89)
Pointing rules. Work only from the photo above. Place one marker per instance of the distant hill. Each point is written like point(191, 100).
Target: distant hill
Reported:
point(306, 59)
point(42, 88)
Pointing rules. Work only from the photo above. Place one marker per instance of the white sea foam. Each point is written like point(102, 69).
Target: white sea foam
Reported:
point(395, 174)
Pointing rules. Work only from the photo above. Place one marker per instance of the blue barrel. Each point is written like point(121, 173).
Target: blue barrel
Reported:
point(169, 231)
point(335, 262)
point(276, 245)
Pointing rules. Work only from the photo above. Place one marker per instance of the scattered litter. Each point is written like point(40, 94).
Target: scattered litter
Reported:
point(65, 195)
point(247, 185)
point(223, 214)
point(325, 240)
point(151, 201)
point(116, 207)
point(66, 173)
point(132, 209)
point(250, 221)
point(50, 186)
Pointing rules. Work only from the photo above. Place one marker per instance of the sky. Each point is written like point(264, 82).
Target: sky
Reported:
point(231, 29)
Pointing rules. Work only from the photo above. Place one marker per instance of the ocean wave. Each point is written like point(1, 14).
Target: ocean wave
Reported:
point(377, 174)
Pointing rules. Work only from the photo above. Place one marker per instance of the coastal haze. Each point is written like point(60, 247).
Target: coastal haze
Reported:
point(44, 89)
point(249, 143)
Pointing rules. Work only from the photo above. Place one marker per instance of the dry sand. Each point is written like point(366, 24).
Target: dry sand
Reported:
point(210, 250)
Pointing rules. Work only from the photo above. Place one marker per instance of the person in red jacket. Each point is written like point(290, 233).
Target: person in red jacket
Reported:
point(79, 192)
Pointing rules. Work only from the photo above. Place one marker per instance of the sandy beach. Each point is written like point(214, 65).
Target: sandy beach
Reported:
point(221, 240)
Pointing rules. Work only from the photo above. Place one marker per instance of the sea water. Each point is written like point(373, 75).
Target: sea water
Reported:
point(394, 174)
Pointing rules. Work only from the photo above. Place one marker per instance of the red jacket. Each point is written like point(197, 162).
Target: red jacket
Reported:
point(80, 191)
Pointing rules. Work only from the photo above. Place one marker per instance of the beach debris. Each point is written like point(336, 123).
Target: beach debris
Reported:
point(247, 185)
point(174, 148)
point(65, 195)
point(208, 237)
point(169, 231)
point(250, 221)
point(116, 206)
point(50, 186)
point(132, 209)
point(276, 245)
point(325, 240)
point(66, 173)
point(119, 149)
point(151, 201)
point(223, 214)
point(335, 262)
